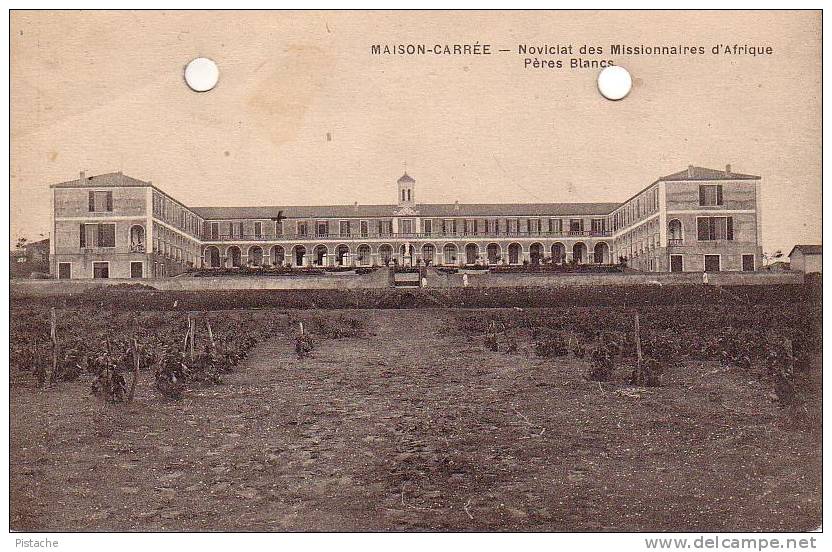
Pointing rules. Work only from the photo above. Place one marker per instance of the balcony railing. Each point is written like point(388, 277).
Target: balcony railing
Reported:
point(413, 235)
point(675, 241)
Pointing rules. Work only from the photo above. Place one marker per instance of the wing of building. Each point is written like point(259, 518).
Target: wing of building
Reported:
point(116, 226)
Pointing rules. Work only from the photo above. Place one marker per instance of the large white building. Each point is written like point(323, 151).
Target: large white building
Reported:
point(115, 226)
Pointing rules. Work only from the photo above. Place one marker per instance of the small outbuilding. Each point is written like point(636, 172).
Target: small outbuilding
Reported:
point(806, 258)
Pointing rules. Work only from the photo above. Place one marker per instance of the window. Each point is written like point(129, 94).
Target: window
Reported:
point(676, 263)
point(556, 225)
point(385, 227)
point(97, 235)
point(100, 201)
point(403, 195)
point(714, 228)
point(136, 269)
point(240, 229)
point(710, 194)
point(323, 228)
point(365, 228)
point(427, 226)
point(101, 270)
point(278, 228)
point(748, 263)
point(598, 226)
point(64, 271)
point(258, 229)
point(576, 225)
point(344, 227)
point(533, 225)
point(407, 226)
point(303, 229)
point(215, 230)
point(408, 194)
point(711, 263)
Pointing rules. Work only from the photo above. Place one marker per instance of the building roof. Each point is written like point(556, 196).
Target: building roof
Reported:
point(117, 179)
point(113, 179)
point(702, 173)
point(807, 249)
point(437, 210)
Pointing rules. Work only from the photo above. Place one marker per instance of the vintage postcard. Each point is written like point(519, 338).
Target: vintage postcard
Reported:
point(416, 271)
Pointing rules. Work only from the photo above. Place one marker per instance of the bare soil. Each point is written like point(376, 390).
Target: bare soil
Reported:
point(414, 428)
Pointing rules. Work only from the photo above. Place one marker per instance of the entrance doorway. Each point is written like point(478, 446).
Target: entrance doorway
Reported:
point(676, 263)
point(711, 263)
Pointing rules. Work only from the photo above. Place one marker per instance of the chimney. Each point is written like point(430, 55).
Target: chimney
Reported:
point(83, 175)
point(728, 169)
point(456, 205)
point(690, 171)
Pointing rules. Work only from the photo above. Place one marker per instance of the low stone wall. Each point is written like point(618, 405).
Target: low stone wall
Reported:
point(663, 278)
point(380, 279)
point(334, 280)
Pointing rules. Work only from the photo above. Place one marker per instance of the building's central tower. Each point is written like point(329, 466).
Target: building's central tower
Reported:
point(407, 191)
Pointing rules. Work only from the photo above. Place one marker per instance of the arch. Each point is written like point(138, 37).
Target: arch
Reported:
point(579, 253)
point(212, 256)
point(429, 253)
point(385, 253)
point(319, 255)
point(536, 253)
point(601, 253)
point(342, 254)
point(278, 255)
point(137, 238)
point(472, 253)
point(233, 255)
point(675, 230)
point(406, 254)
point(515, 253)
point(255, 255)
point(493, 252)
point(299, 255)
point(363, 258)
point(558, 253)
point(449, 254)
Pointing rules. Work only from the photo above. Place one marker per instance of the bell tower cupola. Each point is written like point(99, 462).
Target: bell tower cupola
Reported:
point(407, 191)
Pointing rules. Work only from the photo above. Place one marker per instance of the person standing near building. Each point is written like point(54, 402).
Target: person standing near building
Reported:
point(465, 280)
point(705, 278)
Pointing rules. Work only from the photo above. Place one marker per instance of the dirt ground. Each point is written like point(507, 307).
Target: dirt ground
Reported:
point(414, 428)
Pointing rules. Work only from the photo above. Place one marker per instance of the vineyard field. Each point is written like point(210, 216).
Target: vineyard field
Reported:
point(410, 419)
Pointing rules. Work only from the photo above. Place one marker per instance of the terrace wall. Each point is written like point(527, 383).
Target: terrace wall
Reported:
point(379, 279)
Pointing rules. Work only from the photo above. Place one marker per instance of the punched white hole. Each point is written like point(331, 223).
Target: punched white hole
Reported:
point(202, 74)
point(614, 82)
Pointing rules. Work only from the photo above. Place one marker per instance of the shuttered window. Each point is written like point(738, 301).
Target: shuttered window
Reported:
point(710, 194)
point(99, 201)
point(714, 228)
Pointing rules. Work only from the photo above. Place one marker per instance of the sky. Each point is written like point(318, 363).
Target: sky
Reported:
point(305, 114)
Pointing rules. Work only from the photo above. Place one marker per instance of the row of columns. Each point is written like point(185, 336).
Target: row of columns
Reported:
point(377, 257)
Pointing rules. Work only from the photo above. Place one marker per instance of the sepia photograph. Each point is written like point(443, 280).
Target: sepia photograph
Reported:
point(382, 271)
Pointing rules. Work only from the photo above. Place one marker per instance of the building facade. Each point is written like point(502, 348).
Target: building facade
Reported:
point(115, 226)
